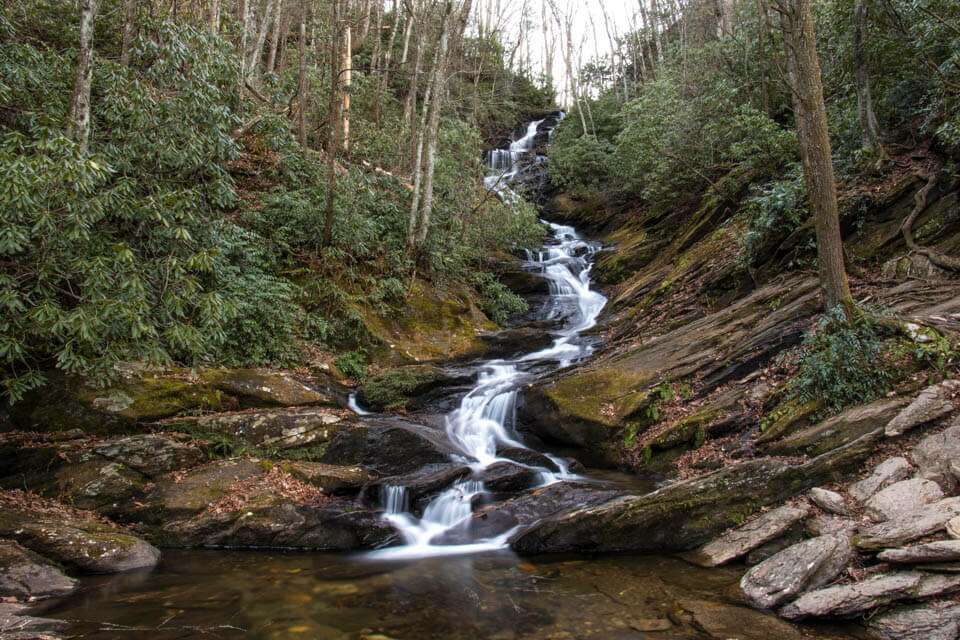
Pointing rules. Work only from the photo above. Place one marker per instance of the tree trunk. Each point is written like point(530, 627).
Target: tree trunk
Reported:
point(275, 37)
point(214, 17)
point(302, 77)
point(129, 27)
point(334, 141)
point(245, 21)
point(763, 13)
point(253, 62)
point(868, 120)
point(410, 102)
point(78, 123)
point(346, 81)
point(815, 150)
point(655, 19)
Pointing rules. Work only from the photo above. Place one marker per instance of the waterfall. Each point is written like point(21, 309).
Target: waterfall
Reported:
point(484, 421)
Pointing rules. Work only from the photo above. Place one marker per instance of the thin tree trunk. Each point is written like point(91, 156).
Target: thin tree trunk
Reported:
point(346, 82)
point(275, 37)
point(364, 29)
point(302, 77)
point(214, 17)
point(245, 21)
point(129, 26)
point(763, 12)
point(410, 102)
point(334, 140)
point(815, 150)
point(869, 127)
point(253, 62)
point(648, 40)
point(78, 123)
point(655, 21)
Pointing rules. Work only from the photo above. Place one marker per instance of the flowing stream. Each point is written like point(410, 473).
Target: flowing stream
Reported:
point(483, 423)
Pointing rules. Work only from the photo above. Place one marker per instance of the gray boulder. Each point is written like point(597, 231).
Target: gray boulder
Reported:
point(939, 551)
point(953, 528)
point(916, 524)
point(886, 473)
point(829, 501)
point(151, 455)
point(901, 498)
point(875, 591)
point(742, 540)
point(828, 524)
point(928, 621)
point(932, 403)
point(807, 565)
point(25, 575)
point(937, 456)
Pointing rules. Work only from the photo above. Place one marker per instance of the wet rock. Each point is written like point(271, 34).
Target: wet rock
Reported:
point(514, 342)
point(953, 528)
point(916, 524)
point(528, 457)
point(724, 621)
point(886, 473)
point(901, 498)
point(807, 565)
point(15, 624)
point(940, 551)
point(824, 524)
point(281, 428)
point(151, 455)
point(875, 591)
point(524, 283)
point(388, 446)
point(333, 479)
point(420, 485)
point(829, 501)
point(256, 387)
point(928, 621)
point(932, 403)
point(651, 624)
point(839, 430)
point(72, 538)
point(503, 477)
point(26, 575)
point(742, 540)
point(938, 458)
point(407, 387)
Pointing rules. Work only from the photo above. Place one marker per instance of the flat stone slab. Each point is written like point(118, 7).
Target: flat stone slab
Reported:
point(829, 501)
point(928, 621)
point(916, 524)
point(886, 473)
point(938, 458)
point(807, 565)
point(901, 498)
point(875, 591)
point(931, 404)
point(745, 539)
point(940, 551)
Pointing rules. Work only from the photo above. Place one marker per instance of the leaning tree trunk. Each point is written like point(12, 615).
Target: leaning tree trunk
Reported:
point(275, 37)
point(78, 122)
point(302, 77)
point(815, 149)
point(869, 127)
point(253, 61)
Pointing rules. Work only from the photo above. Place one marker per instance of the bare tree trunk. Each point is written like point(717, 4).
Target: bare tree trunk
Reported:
point(275, 37)
point(655, 21)
point(648, 39)
point(334, 140)
point(764, 42)
point(253, 62)
point(868, 118)
point(410, 102)
point(364, 29)
point(346, 83)
point(245, 20)
point(78, 123)
point(815, 150)
point(214, 17)
point(407, 30)
point(129, 26)
point(302, 77)
point(388, 54)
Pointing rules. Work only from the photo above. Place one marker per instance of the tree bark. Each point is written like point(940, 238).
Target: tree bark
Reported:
point(129, 27)
point(78, 122)
point(346, 81)
point(275, 37)
point(869, 127)
point(214, 17)
point(815, 149)
point(302, 77)
point(334, 142)
point(410, 101)
point(253, 62)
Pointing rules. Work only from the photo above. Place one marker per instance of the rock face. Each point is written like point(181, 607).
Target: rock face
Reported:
point(829, 501)
point(388, 447)
point(742, 540)
point(933, 402)
point(930, 621)
point(807, 565)
point(915, 524)
point(938, 458)
point(939, 551)
point(258, 387)
point(850, 599)
point(901, 498)
point(887, 472)
point(24, 574)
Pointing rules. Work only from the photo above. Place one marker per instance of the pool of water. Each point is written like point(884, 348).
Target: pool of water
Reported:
point(497, 596)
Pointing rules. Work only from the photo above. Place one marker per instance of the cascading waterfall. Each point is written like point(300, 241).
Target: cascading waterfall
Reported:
point(484, 421)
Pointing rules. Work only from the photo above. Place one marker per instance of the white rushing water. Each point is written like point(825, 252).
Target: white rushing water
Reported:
point(485, 420)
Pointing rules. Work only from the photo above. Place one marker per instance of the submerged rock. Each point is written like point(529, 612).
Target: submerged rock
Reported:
point(932, 403)
point(26, 575)
point(722, 621)
point(875, 591)
point(940, 551)
point(902, 498)
point(928, 621)
point(806, 565)
point(742, 540)
point(887, 472)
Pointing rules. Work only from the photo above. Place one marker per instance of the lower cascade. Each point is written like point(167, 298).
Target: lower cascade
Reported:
point(485, 420)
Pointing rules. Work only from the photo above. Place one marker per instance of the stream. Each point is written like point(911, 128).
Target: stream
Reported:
point(443, 581)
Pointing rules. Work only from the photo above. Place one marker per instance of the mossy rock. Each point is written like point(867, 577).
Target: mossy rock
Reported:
point(401, 388)
point(789, 416)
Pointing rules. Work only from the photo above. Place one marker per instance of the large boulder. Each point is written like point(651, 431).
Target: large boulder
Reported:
point(939, 551)
point(150, 455)
point(25, 575)
point(72, 537)
point(418, 486)
point(508, 477)
point(932, 403)
point(742, 540)
point(920, 522)
point(927, 621)
point(875, 591)
point(901, 498)
point(938, 458)
point(407, 387)
point(330, 478)
point(807, 565)
point(186, 494)
point(265, 387)
point(389, 446)
point(282, 428)
point(886, 473)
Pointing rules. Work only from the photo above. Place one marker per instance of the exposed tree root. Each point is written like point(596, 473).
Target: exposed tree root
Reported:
point(941, 260)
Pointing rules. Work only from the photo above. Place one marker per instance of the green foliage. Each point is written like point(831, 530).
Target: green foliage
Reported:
point(496, 300)
point(582, 166)
point(353, 364)
point(773, 213)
